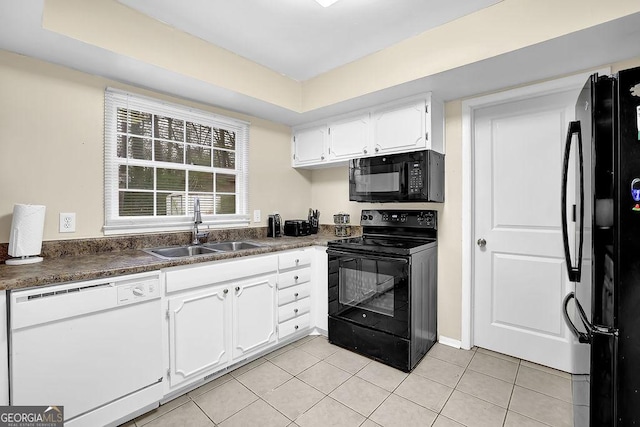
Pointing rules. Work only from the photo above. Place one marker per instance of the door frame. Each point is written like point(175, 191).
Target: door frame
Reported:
point(469, 106)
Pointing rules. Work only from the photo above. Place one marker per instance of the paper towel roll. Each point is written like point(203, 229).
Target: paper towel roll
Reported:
point(27, 228)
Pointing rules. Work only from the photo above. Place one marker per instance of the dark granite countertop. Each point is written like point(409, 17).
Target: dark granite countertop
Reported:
point(128, 261)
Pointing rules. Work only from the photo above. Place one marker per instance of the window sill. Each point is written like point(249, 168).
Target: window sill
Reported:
point(121, 227)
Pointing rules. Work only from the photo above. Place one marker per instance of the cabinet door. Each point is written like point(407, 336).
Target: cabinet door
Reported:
point(308, 146)
point(349, 138)
point(400, 128)
point(254, 324)
point(199, 334)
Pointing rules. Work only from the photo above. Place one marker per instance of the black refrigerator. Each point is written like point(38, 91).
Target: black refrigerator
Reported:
point(602, 159)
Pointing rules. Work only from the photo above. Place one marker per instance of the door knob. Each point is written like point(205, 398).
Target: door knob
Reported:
point(482, 243)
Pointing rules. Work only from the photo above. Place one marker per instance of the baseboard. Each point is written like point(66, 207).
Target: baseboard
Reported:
point(450, 342)
point(319, 331)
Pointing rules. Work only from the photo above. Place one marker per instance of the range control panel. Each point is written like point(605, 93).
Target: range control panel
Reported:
point(399, 218)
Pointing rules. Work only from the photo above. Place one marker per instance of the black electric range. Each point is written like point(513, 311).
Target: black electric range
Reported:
point(383, 287)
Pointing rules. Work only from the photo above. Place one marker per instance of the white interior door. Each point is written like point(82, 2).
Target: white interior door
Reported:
point(519, 274)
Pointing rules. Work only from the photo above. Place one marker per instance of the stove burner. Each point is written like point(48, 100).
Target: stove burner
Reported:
point(382, 245)
point(384, 233)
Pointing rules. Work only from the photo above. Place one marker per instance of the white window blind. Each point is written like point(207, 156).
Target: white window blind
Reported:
point(159, 157)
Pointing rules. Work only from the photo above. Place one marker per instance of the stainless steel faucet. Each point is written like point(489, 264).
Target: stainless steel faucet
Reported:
point(197, 219)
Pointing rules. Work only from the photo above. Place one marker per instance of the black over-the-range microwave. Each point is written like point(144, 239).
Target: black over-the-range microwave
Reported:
point(416, 176)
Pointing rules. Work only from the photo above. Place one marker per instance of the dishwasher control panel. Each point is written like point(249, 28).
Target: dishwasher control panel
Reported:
point(138, 291)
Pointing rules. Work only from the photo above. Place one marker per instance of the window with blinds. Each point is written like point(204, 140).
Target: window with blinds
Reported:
point(159, 157)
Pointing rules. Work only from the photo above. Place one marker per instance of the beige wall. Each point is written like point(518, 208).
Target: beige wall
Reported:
point(58, 160)
point(51, 149)
point(51, 145)
point(120, 29)
point(504, 27)
point(330, 194)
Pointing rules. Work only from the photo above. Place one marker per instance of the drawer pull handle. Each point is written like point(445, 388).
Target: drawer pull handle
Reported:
point(296, 327)
point(295, 295)
point(295, 311)
point(237, 288)
point(295, 277)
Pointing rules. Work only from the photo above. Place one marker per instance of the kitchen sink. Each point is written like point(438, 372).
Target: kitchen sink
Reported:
point(171, 252)
point(232, 246)
point(180, 251)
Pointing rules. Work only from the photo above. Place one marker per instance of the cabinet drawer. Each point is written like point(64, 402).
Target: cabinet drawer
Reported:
point(292, 326)
point(294, 277)
point(294, 309)
point(294, 293)
point(294, 259)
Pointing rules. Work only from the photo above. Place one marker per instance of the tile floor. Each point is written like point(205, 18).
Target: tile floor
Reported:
point(314, 383)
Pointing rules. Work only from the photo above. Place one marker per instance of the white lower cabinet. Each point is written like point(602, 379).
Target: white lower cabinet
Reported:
point(294, 293)
point(217, 314)
point(199, 334)
point(221, 313)
point(294, 326)
point(254, 325)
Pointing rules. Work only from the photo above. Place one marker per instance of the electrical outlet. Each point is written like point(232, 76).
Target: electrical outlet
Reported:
point(256, 215)
point(67, 222)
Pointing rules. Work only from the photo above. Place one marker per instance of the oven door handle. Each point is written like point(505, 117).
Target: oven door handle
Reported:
point(365, 255)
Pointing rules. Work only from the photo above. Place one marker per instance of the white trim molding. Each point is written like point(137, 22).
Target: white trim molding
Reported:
point(449, 342)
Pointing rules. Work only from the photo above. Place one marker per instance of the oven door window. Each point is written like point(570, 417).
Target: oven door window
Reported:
point(374, 292)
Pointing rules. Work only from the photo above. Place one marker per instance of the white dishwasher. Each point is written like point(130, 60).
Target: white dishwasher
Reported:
point(94, 347)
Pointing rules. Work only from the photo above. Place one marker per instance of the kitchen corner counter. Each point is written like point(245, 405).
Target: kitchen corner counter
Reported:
point(108, 264)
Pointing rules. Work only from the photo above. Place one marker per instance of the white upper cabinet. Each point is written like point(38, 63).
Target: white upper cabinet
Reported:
point(349, 138)
point(400, 128)
point(308, 145)
point(409, 124)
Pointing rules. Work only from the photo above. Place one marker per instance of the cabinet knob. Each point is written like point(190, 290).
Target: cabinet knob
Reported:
point(365, 151)
point(297, 261)
point(237, 288)
point(295, 327)
point(377, 149)
point(321, 157)
point(295, 277)
point(295, 310)
point(295, 295)
point(226, 291)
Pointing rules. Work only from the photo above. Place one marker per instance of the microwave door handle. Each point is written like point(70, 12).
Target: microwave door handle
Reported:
point(573, 271)
point(404, 173)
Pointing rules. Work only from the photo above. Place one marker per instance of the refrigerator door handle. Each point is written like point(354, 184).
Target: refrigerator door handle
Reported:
point(583, 337)
point(574, 271)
